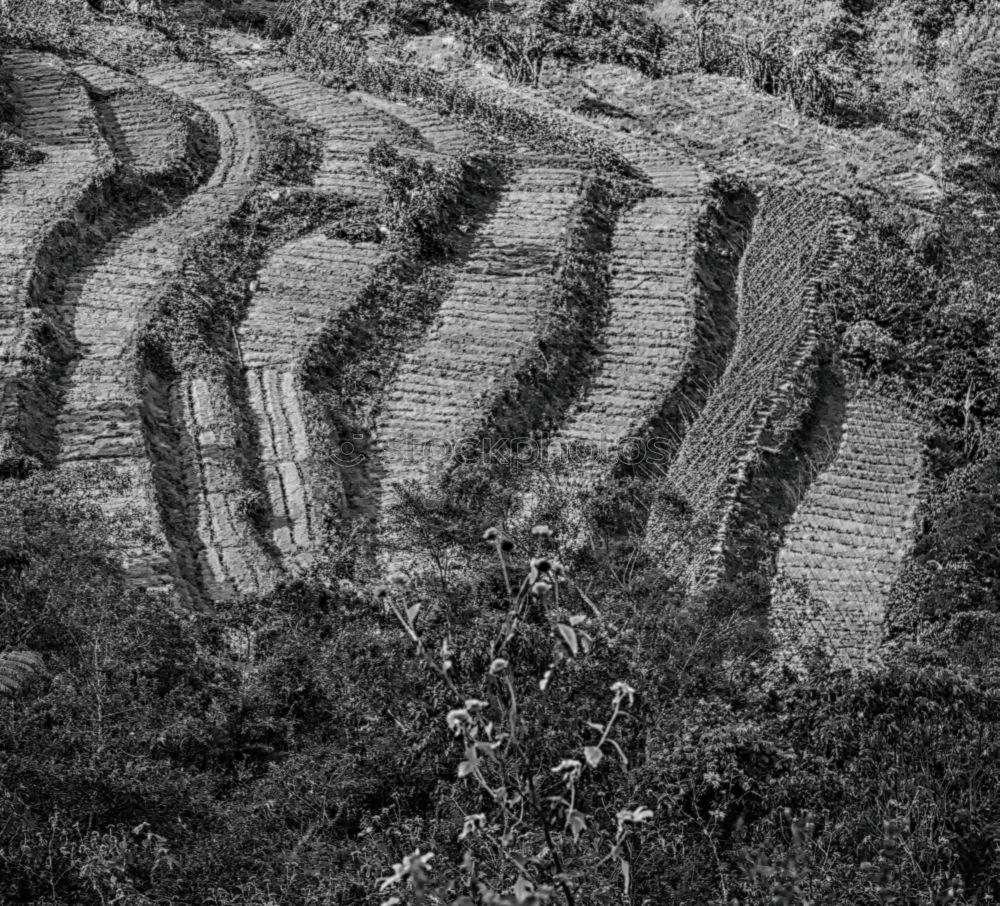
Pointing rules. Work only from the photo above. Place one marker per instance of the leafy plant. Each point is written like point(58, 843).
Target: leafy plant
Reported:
point(533, 826)
point(17, 668)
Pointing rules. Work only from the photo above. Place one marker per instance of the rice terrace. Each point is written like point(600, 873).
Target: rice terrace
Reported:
point(499, 452)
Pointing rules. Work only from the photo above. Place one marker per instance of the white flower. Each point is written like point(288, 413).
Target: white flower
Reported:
point(415, 862)
point(498, 666)
point(472, 824)
point(634, 816)
point(457, 719)
point(569, 768)
point(623, 690)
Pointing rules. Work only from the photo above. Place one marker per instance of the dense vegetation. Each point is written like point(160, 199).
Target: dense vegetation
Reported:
point(292, 749)
point(553, 724)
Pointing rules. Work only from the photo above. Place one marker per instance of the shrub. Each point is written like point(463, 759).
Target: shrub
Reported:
point(613, 31)
point(808, 78)
point(353, 18)
point(907, 305)
point(420, 200)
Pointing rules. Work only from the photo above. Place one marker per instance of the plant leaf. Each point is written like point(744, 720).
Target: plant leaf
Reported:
point(593, 754)
point(568, 634)
point(16, 668)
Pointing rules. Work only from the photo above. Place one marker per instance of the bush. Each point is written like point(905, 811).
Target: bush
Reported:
point(908, 306)
point(295, 747)
point(613, 31)
point(353, 18)
point(420, 200)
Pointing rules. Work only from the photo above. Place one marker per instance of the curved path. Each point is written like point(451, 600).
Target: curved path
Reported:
point(111, 414)
point(845, 544)
point(55, 114)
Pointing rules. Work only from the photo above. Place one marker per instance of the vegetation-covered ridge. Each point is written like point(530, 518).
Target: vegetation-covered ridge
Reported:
point(487, 453)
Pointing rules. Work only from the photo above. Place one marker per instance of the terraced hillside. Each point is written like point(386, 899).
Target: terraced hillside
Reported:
point(652, 321)
point(303, 286)
point(791, 244)
point(619, 287)
point(496, 450)
point(843, 547)
point(114, 411)
point(487, 328)
point(40, 207)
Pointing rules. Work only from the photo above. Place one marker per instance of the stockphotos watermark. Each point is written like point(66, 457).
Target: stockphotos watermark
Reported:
point(525, 452)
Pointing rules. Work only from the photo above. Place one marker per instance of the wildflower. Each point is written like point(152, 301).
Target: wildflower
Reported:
point(472, 824)
point(474, 705)
point(540, 588)
point(381, 592)
point(457, 719)
point(623, 690)
point(498, 666)
point(491, 534)
point(634, 816)
point(568, 768)
point(541, 531)
point(413, 864)
point(541, 565)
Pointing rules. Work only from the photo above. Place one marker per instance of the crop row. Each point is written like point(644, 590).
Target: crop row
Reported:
point(776, 316)
point(846, 541)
